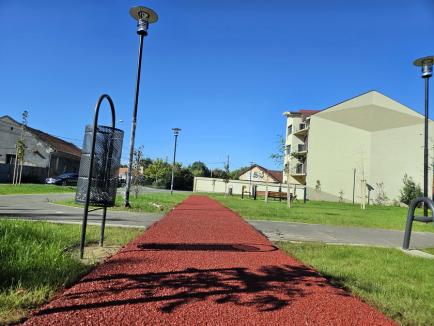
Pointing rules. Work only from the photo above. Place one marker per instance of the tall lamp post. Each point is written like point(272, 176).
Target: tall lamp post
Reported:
point(144, 16)
point(426, 63)
point(176, 134)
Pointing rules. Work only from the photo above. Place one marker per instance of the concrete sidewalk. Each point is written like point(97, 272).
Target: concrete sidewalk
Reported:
point(287, 231)
point(40, 207)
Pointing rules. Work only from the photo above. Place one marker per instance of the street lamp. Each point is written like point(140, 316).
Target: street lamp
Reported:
point(144, 16)
point(426, 63)
point(175, 133)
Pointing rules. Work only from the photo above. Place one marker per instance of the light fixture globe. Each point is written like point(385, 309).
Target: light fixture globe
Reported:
point(176, 131)
point(143, 13)
point(426, 63)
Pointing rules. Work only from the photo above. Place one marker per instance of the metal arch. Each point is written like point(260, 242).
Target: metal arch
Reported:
point(92, 153)
point(410, 217)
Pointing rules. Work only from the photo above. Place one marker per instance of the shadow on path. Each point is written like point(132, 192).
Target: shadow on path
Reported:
point(270, 288)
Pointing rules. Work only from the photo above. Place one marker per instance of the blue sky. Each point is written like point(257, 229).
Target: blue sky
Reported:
point(223, 71)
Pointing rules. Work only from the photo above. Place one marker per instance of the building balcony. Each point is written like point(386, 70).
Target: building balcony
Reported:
point(298, 170)
point(301, 150)
point(301, 130)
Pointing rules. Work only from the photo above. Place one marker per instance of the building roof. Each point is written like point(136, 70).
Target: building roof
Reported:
point(59, 145)
point(372, 111)
point(302, 113)
point(275, 174)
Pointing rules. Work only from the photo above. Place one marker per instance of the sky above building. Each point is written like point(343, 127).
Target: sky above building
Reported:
point(222, 71)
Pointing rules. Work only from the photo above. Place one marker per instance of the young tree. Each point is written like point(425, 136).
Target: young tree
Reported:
point(136, 172)
point(279, 159)
point(21, 150)
point(381, 197)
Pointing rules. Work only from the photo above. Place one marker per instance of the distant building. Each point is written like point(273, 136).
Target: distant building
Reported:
point(259, 173)
point(52, 155)
point(371, 134)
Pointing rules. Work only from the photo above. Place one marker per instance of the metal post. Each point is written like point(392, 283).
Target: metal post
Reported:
point(134, 123)
point(354, 183)
point(173, 165)
point(425, 150)
point(143, 16)
point(426, 63)
point(104, 214)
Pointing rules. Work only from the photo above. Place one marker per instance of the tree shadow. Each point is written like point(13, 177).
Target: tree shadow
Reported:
point(230, 247)
point(266, 289)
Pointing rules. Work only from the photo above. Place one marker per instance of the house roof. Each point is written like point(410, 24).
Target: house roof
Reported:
point(59, 145)
point(302, 112)
point(276, 175)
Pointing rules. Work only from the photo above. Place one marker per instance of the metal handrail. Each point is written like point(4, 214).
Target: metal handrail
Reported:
point(410, 217)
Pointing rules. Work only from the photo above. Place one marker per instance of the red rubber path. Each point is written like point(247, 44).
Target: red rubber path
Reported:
point(203, 265)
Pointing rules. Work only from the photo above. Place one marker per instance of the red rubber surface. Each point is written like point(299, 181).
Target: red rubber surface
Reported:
point(203, 265)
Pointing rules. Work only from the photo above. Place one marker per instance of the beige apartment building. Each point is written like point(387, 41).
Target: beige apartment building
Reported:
point(370, 138)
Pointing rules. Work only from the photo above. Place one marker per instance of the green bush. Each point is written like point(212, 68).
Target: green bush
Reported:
point(410, 190)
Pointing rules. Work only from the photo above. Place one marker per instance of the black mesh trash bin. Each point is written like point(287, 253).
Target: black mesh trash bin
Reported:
point(108, 150)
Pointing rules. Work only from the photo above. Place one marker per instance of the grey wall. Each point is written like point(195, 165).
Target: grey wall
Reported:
point(37, 152)
point(30, 174)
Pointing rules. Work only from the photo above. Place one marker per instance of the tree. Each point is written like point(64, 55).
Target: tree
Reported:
point(158, 172)
point(136, 171)
point(219, 174)
point(279, 156)
point(234, 174)
point(21, 151)
point(199, 169)
point(410, 190)
point(183, 179)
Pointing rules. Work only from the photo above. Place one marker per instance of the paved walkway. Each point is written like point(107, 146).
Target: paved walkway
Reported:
point(284, 231)
point(203, 265)
point(40, 207)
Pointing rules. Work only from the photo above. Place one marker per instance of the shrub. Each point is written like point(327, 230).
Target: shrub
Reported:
point(410, 190)
point(381, 197)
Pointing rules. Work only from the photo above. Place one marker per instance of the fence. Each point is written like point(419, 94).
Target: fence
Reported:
point(202, 184)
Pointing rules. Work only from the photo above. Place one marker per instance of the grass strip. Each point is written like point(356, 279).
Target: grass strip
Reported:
point(321, 212)
point(29, 188)
point(148, 202)
point(399, 285)
point(37, 260)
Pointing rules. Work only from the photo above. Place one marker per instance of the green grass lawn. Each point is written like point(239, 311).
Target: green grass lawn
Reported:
point(429, 250)
point(31, 188)
point(144, 202)
point(399, 285)
point(321, 212)
point(37, 259)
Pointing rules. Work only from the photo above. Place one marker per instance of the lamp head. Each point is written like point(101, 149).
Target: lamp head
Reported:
point(426, 63)
point(144, 16)
point(176, 131)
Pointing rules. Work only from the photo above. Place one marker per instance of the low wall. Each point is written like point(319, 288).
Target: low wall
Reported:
point(31, 174)
point(202, 184)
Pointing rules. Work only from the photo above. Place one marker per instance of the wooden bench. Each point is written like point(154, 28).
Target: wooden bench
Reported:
point(276, 195)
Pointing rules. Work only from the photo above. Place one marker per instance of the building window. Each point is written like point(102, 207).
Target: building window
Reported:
point(10, 159)
point(288, 150)
point(302, 126)
point(290, 130)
